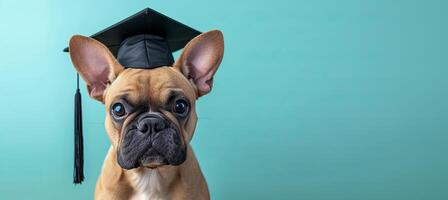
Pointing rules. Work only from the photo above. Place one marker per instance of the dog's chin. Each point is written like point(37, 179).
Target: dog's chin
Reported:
point(153, 162)
point(153, 165)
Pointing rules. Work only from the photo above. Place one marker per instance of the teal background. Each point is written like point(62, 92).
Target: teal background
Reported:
point(316, 99)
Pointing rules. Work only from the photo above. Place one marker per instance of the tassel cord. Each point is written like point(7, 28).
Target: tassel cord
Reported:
point(78, 171)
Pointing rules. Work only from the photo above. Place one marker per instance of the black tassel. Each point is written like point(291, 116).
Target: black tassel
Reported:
point(78, 171)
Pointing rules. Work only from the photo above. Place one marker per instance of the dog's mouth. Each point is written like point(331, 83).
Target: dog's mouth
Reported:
point(152, 159)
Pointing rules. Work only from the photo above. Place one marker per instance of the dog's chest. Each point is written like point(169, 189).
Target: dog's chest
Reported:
point(149, 186)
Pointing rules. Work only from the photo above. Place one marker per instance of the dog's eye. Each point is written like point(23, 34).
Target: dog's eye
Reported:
point(181, 107)
point(118, 110)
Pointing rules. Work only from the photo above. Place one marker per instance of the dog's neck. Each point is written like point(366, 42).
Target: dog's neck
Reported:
point(149, 184)
point(155, 183)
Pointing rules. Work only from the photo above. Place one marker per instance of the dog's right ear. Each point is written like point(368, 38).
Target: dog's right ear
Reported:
point(95, 63)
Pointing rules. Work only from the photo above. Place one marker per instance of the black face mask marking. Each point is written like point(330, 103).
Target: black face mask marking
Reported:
point(151, 139)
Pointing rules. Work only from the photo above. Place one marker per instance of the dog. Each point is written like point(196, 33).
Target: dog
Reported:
point(150, 118)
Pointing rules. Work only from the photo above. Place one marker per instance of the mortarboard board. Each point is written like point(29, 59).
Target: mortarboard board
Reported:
point(144, 40)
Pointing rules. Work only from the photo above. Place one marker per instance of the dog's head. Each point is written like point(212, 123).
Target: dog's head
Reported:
point(150, 114)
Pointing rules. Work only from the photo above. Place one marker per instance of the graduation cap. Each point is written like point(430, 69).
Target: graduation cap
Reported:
point(144, 40)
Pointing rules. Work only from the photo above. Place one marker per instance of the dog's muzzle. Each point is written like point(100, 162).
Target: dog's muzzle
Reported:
point(151, 141)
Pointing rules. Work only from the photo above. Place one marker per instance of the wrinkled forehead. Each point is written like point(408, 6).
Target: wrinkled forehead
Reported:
point(152, 86)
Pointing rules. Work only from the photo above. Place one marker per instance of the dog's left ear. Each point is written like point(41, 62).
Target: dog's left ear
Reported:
point(201, 58)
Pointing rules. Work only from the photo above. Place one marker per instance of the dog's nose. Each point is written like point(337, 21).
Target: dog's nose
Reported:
point(150, 123)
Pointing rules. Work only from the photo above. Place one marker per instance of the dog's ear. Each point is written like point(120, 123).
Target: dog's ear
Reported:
point(201, 58)
point(95, 63)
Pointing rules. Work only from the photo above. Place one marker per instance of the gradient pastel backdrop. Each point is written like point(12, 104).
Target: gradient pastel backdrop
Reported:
point(317, 99)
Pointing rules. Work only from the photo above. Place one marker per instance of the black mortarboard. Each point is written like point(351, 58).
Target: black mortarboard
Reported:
point(145, 40)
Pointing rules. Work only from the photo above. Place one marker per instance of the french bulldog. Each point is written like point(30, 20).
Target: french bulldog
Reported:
point(150, 118)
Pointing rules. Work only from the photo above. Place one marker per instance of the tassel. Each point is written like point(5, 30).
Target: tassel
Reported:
point(78, 171)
